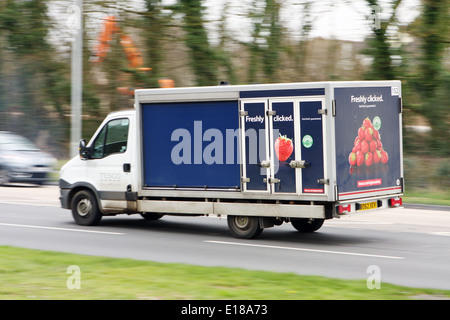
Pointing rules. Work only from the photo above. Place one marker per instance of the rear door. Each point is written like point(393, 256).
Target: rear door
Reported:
point(255, 145)
point(368, 140)
point(283, 148)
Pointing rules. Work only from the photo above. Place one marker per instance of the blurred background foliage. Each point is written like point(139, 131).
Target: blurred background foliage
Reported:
point(176, 41)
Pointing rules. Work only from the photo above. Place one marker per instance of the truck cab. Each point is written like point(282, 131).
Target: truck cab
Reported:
point(102, 174)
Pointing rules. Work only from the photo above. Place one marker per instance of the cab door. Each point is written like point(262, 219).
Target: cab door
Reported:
point(109, 164)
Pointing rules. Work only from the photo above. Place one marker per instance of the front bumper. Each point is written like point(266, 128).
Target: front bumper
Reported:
point(28, 176)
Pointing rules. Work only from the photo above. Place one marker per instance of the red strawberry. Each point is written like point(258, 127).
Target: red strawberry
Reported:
point(379, 145)
point(364, 146)
point(367, 123)
point(352, 158)
point(361, 133)
point(283, 148)
point(377, 156)
point(359, 158)
point(368, 134)
point(357, 146)
point(376, 134)
point(372, 146)
point(369, 159)
point(384, 156)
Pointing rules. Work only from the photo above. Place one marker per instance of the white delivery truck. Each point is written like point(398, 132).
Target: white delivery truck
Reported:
point(261, 155)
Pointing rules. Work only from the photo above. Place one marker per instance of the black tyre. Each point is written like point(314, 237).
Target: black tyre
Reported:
point(152, 215)
point(306, 225)
point(85, 209)
point(244, 227)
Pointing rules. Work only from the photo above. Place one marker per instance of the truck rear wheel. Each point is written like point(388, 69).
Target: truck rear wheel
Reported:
point(85, 209)
point(244, 227)
point(306, 225)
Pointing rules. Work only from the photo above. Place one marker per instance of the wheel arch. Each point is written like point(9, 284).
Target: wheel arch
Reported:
point(74, 188)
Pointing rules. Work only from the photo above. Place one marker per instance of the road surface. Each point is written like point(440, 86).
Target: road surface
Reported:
point(408, 247)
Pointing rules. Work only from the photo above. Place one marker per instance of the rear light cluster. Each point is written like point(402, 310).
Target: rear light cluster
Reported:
point(395, 202)
point(344, 208)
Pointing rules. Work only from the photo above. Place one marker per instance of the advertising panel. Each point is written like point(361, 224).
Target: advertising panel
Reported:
point(367, 137)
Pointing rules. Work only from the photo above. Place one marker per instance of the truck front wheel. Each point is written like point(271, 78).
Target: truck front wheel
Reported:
point(244, 227)
point(85, 209)
point(306, 225)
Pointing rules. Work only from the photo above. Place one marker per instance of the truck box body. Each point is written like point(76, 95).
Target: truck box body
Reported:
point(298, 150)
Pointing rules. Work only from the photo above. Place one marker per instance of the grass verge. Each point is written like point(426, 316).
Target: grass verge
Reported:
point(427, 196)
point(42, 275)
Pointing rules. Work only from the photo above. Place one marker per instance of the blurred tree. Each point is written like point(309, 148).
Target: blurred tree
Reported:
point(266, 44)
point(222, 52)
point(379, 45)
point(273, 37)
point(38, 88)
point(203, 56)
point(432, 80)
point(153, 33)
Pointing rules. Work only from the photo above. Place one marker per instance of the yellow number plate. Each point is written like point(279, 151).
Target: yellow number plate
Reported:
point(368, 205)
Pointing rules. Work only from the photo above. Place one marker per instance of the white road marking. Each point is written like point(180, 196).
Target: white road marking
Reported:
point(304, 249)
point(59, 229)
point(24, 203)
point(441, 233)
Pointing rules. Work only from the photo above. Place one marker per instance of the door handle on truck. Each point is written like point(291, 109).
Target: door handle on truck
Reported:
point(265, 164)
point(298, 164)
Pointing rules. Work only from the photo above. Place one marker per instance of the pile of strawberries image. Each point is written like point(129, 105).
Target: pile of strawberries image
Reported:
point(367, 149)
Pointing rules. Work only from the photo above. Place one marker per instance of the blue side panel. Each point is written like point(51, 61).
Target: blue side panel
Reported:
point(192, 144)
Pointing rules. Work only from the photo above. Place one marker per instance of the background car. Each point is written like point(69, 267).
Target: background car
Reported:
point(22, 161)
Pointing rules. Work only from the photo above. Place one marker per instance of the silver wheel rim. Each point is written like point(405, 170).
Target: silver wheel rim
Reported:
point(84, 207)
point(242, 222)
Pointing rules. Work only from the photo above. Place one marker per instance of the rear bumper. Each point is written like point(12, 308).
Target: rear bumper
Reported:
point(365, 204)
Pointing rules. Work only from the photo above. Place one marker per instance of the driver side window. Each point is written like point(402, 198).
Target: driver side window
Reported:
point(113, 138)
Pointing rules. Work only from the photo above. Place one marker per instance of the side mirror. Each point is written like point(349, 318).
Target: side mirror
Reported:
point(83, 150)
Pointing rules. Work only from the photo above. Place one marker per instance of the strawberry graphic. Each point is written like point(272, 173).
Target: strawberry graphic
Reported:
point(359, 158)
point(376, 156)
point(361, 133)
point(364, 146)
point(384, 156)
point(373, 146)
point(283, 147)
point(367, 148)
point(352, 158)
point(368, 159)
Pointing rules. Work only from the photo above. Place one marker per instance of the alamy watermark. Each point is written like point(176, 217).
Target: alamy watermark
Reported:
point(374, 279)
point(74, 280)
point(214, 146)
